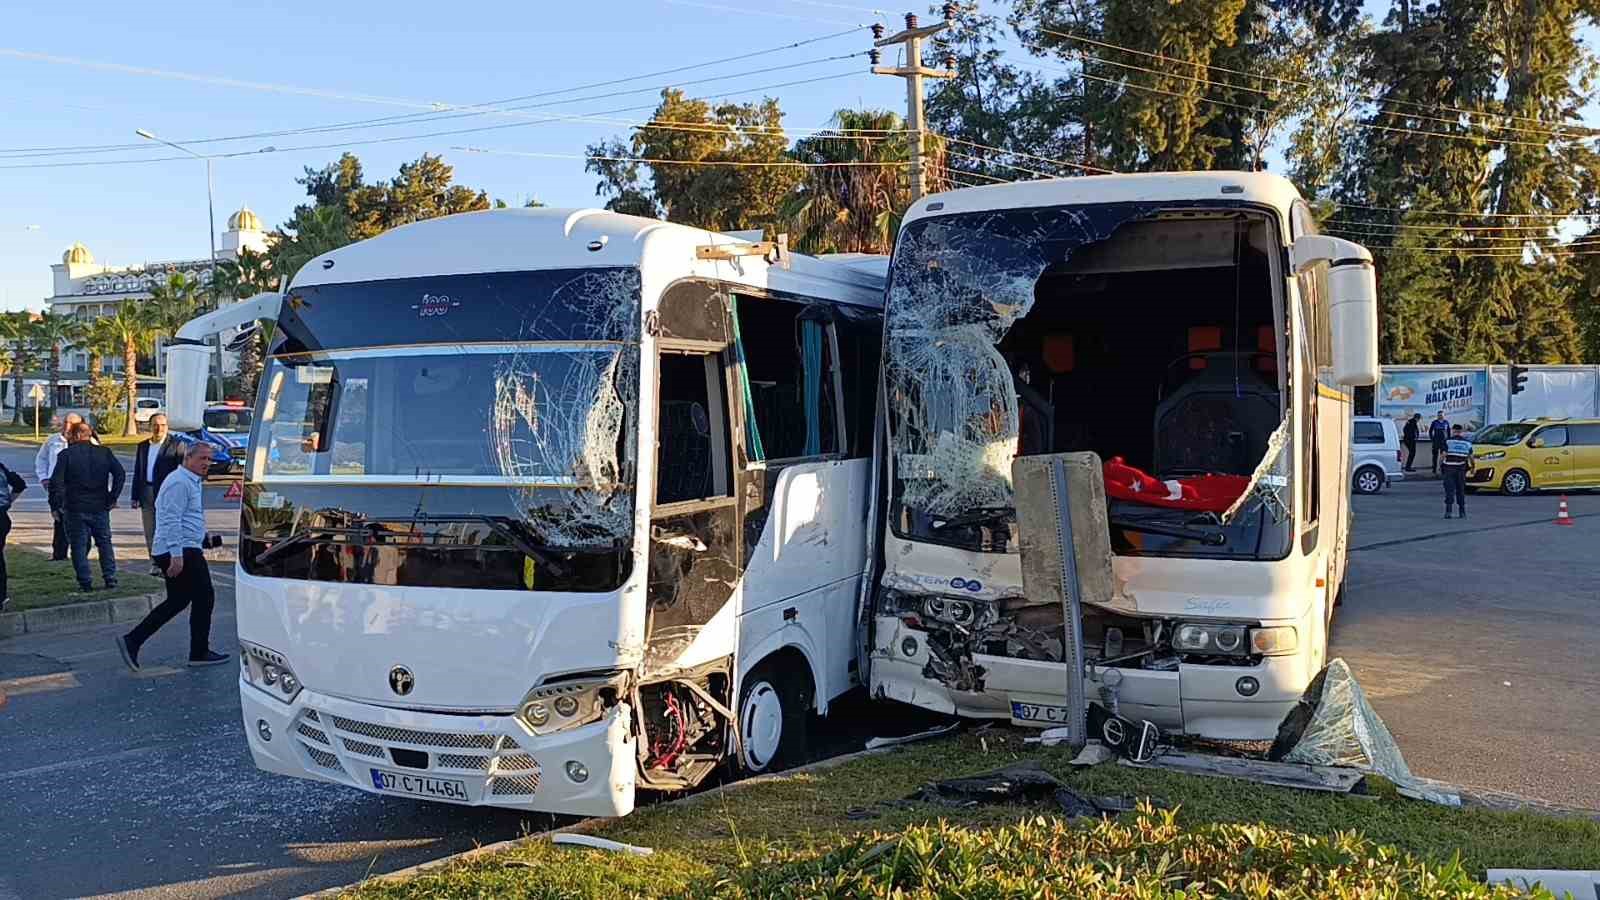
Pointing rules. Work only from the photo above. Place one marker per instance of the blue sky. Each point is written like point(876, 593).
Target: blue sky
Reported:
point(460, 53)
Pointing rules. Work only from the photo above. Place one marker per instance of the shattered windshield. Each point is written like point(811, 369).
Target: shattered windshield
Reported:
point(1003, 336)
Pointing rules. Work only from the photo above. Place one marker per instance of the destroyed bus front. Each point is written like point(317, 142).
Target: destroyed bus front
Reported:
point(1163, 336)
point(437, 572)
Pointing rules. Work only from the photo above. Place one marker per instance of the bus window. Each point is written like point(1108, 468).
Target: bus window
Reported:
point(692, 431)
point(789, 363)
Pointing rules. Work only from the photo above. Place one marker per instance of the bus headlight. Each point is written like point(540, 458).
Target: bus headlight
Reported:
point(267, 671)
point(1217, 640)
point(1280, 640)
point(553, 708)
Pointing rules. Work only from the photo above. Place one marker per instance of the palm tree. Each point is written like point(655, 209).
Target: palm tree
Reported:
point(135, 325)
point(174, 302)
point(16, 332)
point(854, 209)
point(50, 331)
point(322, 229)
point(100, 339)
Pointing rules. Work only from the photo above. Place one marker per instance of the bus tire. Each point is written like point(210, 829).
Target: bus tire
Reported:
point(1515, 483)
point(775, 714)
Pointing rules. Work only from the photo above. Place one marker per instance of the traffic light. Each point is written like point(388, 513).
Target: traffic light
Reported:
point(1519, 378)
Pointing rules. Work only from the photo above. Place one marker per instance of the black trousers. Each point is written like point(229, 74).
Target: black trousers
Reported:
point(1411, 454)
point(58, 540)
point(5, 531)
point(192, 588)
point(1455, 486)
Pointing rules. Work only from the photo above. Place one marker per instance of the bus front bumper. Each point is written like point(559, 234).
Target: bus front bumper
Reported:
point(1201, 700)
point(472, 760)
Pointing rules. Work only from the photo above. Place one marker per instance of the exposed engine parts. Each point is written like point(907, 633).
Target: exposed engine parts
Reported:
point(684, 725)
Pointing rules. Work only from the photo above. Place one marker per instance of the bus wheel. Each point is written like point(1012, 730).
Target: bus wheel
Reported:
point(773, 715)
point(1515, 483)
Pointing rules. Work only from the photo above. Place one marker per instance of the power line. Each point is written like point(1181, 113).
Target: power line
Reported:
point(1561, 134)
point(753, 11)
point(1443, 226)
point(703, 127)
point(1018, 153)
point(1296, 82)
point(1467, 214)
point(389, 121)
point(662, 161)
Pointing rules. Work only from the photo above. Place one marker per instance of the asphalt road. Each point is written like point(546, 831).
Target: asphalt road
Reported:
point(141, 786)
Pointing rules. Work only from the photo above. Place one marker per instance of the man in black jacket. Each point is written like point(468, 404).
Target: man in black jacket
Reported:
point(155, 459)
point(85, 486)
point(14, 485)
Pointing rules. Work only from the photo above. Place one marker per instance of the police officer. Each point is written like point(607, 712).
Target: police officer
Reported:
point(1454, 466)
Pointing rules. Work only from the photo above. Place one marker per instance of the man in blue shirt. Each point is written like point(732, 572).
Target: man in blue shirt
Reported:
point(1438, 434)
point(178, 549)
point(1454, 465)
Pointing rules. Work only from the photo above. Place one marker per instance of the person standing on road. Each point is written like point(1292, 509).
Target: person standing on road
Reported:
point(1438, 435)
point(1455, 465)
point(1408, 437)
point(157, 457)
point(11, 484)
point(179, 548)
point(85, 486)
point(44, 465)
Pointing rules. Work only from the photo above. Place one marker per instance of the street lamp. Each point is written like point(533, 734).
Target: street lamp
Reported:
point(211, 220)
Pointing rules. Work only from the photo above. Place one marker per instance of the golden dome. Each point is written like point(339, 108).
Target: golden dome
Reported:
point(78, 253)
point(244, 220)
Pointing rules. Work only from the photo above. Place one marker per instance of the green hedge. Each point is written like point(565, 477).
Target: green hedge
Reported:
point(46, 414)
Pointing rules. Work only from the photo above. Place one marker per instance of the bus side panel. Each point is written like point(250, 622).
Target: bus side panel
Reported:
point(804, 572)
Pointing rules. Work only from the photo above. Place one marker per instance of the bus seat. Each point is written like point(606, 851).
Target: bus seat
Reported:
point(1215, 422)
point(1203, 338)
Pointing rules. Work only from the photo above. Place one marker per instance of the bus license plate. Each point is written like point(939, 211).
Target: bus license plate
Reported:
point(1038, 712)
point(419, 785)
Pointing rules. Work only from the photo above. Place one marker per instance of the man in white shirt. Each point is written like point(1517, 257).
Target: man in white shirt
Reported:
point(44, 465)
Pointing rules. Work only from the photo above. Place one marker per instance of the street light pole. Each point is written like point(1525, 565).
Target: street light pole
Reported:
point(211, 231)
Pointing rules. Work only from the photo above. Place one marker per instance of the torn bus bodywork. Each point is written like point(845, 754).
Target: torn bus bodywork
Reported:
point(1162, 334)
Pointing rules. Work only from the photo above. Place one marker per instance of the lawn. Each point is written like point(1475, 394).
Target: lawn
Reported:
point(36, 582)
point(24, 434)
point(847, 831)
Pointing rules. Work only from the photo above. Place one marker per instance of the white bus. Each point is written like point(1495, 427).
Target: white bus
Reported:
point(542, 507)
point(1194, 331)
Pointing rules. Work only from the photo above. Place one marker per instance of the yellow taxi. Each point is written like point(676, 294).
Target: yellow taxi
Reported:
point(1536, 454)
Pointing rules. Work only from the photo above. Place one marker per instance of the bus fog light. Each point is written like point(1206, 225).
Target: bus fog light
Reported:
point(1247, 686)
point(536, 714)
point(288, 683)
point(263, 729)
point(566, 706)
point(269, 674)
point(266, 669)
point(1276, 641)
point(577, 771)
point(908, 647)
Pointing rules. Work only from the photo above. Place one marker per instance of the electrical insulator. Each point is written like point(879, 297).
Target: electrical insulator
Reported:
point(877, 31)
point(911, 20)
point(875, 56)
point(950, 61)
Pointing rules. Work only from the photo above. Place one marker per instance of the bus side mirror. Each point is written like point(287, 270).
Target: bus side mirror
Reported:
point(188, 369)
point(1352, 304)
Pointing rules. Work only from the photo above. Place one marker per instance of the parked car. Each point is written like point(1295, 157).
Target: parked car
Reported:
point(144, 408)
point(1377, 458)
point(1536, 454)
point(226, 427)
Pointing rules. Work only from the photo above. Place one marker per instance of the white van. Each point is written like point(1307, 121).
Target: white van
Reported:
point(1376, 458)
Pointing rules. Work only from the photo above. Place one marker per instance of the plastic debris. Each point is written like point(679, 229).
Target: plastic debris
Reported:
point(1334, 725)
point(1027, 783)
point(1093, 754)
point(931, 733)
point(595, 843)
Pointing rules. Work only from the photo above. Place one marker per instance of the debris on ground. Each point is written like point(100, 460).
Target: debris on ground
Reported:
point(931, 733)
point(1335, 779)
point(1334, 725)
point(1093, 754)
point(1021, 784)
point(598, 843)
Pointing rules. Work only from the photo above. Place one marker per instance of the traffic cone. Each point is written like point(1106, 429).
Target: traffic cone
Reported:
point(1562, 516)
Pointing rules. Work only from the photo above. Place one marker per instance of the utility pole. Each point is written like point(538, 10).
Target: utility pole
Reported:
point(913, 72)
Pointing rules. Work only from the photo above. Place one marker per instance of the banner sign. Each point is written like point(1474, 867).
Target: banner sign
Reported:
point(1462, 394)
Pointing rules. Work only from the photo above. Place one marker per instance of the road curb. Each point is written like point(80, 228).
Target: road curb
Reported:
point(77, 615)
point(444, 862)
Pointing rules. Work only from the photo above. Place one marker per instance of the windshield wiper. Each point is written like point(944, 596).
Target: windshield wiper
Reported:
point(1211, 538)
point(308, 535)
point(976, 516)
point(502, 526)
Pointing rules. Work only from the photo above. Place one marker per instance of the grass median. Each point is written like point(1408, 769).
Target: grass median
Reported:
point(23, 434)
point(848, 831)
point(35, 582)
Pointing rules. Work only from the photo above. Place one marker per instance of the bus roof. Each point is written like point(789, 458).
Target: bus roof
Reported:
point(1252, 187)
point(518, 240)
